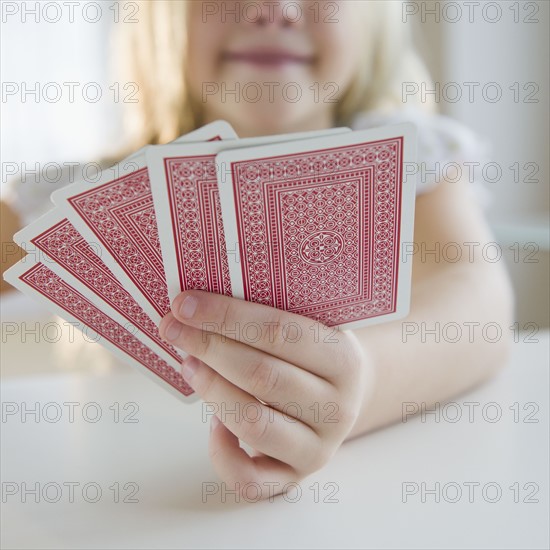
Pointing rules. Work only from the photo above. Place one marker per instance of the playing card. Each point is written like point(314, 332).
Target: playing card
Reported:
point(319, 225)
point(39, 281)
point(185, 190)
point(117, 216)
point(54, 241)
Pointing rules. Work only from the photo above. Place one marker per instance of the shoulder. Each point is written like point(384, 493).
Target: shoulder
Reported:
point(442, 141)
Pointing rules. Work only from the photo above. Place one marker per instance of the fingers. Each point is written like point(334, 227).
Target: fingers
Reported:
point(258, 425)
point(264, 376)
point(290, 337)
point(255, 478)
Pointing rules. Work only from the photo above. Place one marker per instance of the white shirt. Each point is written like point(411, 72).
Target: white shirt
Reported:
point(444, 144)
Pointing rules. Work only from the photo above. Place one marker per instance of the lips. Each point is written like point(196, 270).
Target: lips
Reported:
point(268, 58)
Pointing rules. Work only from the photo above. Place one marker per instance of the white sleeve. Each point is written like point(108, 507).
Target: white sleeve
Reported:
point(444, 145)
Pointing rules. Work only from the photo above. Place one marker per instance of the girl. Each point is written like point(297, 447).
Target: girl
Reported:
point(199, 61)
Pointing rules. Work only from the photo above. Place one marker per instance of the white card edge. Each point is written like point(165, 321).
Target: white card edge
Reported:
point(12, 277)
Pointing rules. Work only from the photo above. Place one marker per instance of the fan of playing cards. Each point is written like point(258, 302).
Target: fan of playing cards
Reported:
point(312, 223)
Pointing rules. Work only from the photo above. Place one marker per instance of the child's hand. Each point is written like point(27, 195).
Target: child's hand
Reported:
point(312, 376)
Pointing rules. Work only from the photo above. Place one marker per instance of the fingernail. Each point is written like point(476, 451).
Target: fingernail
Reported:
point(214, 423)
point(189, 367)
point(173, 330)
point(188, 307)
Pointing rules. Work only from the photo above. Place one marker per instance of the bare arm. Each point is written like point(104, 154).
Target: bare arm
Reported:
point(410, 366)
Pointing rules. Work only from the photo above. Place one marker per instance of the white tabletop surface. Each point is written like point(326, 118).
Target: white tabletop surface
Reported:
point(356, 501)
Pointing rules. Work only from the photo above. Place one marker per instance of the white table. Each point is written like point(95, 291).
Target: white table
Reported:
point(164, 456)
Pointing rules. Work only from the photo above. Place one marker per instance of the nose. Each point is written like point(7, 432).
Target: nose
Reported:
point(280, 14)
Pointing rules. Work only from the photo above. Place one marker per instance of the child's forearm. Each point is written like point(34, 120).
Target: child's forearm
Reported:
point(407, 364)
point(447, 344)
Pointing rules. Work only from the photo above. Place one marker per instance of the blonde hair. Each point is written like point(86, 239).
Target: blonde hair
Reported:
point(152, 54)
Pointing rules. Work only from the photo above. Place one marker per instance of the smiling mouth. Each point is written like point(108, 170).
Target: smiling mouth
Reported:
point(268, 58)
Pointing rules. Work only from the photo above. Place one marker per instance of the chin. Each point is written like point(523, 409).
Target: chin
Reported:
point(270, 118)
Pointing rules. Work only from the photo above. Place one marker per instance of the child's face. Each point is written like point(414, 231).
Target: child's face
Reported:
point(271, 67)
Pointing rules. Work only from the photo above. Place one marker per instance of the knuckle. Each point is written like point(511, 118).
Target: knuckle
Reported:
point(336, 417)
point(274, 336)
point(215, 453)
point(345, 416)
point(254, 432)
point(319, 459)
point(349, 358)
point(208, 344)
point(205, 384)
point(227, 315)
point(264, 378)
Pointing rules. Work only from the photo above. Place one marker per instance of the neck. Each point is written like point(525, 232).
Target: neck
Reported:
point(318, 122)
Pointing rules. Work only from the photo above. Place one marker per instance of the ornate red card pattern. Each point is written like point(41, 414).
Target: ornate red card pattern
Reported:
point(297, 222)
point(197, 224)
point(322, 263)
point(121, 214)
point(63, 243)
point(45, 281)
